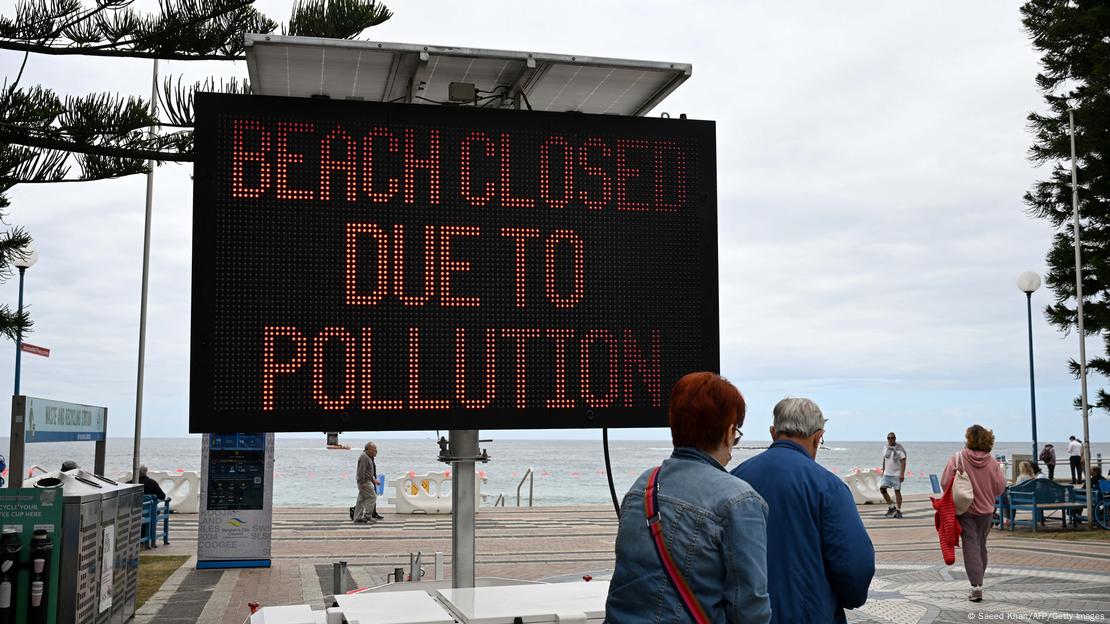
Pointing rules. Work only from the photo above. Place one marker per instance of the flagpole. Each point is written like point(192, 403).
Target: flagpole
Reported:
point(1082, 333)
point(146, 281)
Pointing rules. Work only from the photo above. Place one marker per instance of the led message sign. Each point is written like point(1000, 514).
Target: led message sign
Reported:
point(365, 266)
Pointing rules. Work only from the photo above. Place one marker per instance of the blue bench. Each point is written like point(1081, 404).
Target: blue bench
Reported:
point(156, 522)
point(1041, 497)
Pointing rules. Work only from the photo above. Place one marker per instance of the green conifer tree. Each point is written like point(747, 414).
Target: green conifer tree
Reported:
point(1073, 37)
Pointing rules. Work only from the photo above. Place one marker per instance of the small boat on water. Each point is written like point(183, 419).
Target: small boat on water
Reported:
point(334, 443)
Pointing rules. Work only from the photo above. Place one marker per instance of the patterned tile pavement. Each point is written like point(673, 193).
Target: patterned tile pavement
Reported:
point(1029, 580)
point(923, 594)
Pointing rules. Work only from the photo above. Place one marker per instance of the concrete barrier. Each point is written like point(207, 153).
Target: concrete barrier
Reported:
point(425, 494)
point(864, 485)
point(182, 487)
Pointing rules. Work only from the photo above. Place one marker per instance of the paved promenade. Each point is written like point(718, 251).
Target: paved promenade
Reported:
point(1031, 580)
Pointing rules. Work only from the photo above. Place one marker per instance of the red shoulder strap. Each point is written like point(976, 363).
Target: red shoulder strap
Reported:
point(655, 525)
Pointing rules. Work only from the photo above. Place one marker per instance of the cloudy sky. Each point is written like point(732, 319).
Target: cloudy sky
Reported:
point(872, 159)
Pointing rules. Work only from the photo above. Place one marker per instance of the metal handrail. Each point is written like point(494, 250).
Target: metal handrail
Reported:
point(500, 500)
point(528, 476)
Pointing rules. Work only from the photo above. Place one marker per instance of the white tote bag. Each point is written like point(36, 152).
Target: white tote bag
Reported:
point(962, 492)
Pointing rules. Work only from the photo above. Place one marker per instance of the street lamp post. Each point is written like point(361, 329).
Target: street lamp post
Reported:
point(27, 257)
point(1029, 282)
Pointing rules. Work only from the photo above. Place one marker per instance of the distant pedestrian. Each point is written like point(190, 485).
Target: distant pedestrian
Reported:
point(988, 483)
point(696, 542)
point(894, 473)
point(150, 486)
point(366, 476)
point(1048, 458)
point(1075, 459)
point(69, 464)
point(820, 559)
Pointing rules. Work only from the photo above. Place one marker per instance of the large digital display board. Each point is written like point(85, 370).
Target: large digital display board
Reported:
point(361, 266)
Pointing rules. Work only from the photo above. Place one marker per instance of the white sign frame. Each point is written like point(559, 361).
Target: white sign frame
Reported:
point(47, 420)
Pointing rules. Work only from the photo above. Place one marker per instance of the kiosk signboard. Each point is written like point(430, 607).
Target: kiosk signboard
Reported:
point(236, 497)
point(376, 266)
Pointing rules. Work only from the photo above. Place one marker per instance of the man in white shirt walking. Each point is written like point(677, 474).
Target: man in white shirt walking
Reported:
point(1075, 459)
point(894, 473)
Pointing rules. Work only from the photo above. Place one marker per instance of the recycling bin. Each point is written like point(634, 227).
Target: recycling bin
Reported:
point(99, 564)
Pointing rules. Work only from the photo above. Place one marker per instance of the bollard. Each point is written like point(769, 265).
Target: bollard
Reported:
point(339, 578)
point(439, 565)
point(399, 575)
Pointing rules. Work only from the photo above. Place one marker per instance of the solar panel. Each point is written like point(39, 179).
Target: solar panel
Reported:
point(400, 72)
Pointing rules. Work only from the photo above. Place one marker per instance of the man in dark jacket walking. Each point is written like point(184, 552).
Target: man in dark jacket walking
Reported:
point(820, 559)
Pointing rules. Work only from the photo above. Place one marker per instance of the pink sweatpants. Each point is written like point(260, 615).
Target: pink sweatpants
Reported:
point(976, 528)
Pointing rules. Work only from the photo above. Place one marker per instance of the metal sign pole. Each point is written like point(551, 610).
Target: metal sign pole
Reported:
point(464, 450)
point(15, 463)
point(1032, 385)
point(19, 332)
point(101, 452)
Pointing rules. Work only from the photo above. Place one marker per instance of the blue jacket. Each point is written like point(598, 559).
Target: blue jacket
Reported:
point(819, 557)
point(715, 527)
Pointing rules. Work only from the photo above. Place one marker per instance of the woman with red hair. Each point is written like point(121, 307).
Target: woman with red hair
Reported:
point(692, 540)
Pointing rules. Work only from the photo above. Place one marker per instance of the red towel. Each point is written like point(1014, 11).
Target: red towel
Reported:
point(948, 528)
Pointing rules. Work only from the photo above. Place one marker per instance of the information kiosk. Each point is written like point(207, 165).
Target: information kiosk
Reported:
point(236, 500)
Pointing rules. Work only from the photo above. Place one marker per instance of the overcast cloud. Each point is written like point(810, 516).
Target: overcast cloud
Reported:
point(871, 166)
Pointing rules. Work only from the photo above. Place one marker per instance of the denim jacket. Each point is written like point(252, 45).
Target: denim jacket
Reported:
point(715, 527)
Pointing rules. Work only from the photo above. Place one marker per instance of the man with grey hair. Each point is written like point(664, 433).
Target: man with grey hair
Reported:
point(366, 476)
point(150, 486)
point(820, 559)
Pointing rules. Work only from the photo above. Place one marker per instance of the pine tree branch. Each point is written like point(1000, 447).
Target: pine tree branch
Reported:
point(107, 135)
point(184, 30)
point(51, 143)
point(335, 19)
point(31, 165)
point(164, 30)
point(101, 6)
point(176, 99)
point(22, 66)
point(13, 324)
point(86, 51)
point(12, 243)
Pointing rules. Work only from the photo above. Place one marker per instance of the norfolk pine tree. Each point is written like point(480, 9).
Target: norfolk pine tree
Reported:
point(1073, 37)
point(46, 138)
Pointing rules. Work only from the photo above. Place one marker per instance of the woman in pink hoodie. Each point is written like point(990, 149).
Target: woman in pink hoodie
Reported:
point(987, 481)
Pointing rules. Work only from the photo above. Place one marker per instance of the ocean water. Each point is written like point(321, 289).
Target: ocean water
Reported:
point(567, 472)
